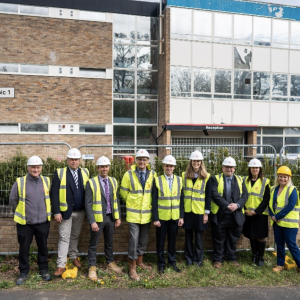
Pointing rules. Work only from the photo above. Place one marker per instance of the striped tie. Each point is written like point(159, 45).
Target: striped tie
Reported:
point(142, 178)
point(75, 176)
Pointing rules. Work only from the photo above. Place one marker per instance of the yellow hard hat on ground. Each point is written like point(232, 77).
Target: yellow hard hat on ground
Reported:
point(285, 171)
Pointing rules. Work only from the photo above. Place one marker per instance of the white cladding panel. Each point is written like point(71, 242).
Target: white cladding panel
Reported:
point(261, 59)
point(295, 62)
point(222, 56)
point(293, 114)
point(280, 60)
point(260, 113)
point(180, 110)
point(241, 113)
point(202, 55)
point(278, 112)
point(221, 112)
point(201, 111)
point(181, 53)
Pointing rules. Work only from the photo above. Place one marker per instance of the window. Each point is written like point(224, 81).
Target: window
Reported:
point(202, 80)
point(223, 27)
point(124, 27)
point(242, 84)
point(8, 67)
point(30, 127)
point(243, 29)
point(222, 81)
point(91, 128)
point(144, 135)
point(35, 69)
point(124, 82)
point(34, 10)
point(147, 82)
point(146, 112)
point(202, 25)
point(242, 57)
point(92, 15)
point(261, 86)
point(180, 81)
point(279, 87)
point(262, 31)
point(9, 128)
point(9, 7)
point(90, 72)
point(295, 85)
point(124, 56)
point(123, 111)
point(295, 33)
point(280, 34)
point(123, 135)
point(181, 21)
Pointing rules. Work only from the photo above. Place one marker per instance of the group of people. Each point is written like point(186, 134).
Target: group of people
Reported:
point(232, 204)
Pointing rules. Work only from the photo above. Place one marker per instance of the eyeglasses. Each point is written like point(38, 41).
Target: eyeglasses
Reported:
point(142, 159)
point(228, 167)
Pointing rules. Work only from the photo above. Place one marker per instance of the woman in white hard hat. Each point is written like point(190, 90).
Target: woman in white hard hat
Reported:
point(256, 210)
point(284, 207)
point(197, 199)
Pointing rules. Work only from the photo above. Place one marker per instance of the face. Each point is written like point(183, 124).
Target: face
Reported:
point(34, 171)
point(228, 171)
point(168, 169)
point(73, 163)
point(254, 171)
point(196, 165)
point(142, 163)
point(283, 179)
point(103, 171)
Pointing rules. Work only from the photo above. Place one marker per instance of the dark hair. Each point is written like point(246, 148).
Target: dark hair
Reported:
point(190, 173)
point(260, 174)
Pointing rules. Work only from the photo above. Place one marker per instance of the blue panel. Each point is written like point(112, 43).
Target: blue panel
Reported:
point(242, 7)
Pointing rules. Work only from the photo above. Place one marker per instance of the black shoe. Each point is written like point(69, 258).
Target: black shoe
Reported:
point(161, 270)
point(254, 259)
point(45, 275)
point(176, 269)
point(197, 263)
point(260, 261)
point(22, 278)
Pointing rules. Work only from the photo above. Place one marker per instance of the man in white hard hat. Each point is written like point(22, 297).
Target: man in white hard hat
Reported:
point(167, 212)
point(103, 214)
point(136, 189)
point(67, 199)
point(229, 195)
point(30, 200)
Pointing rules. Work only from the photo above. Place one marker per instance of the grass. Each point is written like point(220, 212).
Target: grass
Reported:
point(192, 276)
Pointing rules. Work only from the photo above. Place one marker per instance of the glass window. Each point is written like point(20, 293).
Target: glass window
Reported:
point(144, 135)
point(146, 112)
point(262, 31)
point(202, 23)
point(34, 69)
point(181, 21)
point(146, 28)
point(124, 56)
point(243, 28)
point(124, 81)
point(273, 130)
point(280, 32)
point(91, 128)
point(202, 80)
point(242, 57)
point(11, 128)
point(9, 7)
point(35, 10)
point(279, 85)
point(34, 127)
point(123, 111)
point(295, 33)
point(258, 130)
point(295, 85)
point(261, 86)
point(292, 131)
point(8, 67)
point(180, 81)
point(223, 26)
point(242, 84)
point(258, 143)
point(123, 135)
point(143, 58)
point(292, 141)
point(92, 15)
point(124, 27)
point(276, 142)
point(147, 82)
point(222, 81)
point(89, 72)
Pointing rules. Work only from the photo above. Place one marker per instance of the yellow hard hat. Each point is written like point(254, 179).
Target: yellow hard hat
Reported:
point(284, 170)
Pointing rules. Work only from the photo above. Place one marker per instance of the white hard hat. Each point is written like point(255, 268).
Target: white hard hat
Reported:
point(255, 163)
point(169, 160)
point(142, 153)
point(34, 161)
point(74, 153)
point(229, 161)
point(196, 155)
point(103, 161)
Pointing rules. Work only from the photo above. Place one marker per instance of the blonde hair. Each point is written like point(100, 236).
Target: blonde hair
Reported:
point(190, 173)
point(290, 182)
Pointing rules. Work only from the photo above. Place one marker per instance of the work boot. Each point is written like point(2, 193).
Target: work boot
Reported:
point(261, 252)
point(141, 264)
point(113, 267)
point(21, 279)
point(93, 273)
point(254, 249)
point(217, 264)
point(278, 269)
point(76, 263)
point(132, 270)
point(59, 271)
point(45, 275)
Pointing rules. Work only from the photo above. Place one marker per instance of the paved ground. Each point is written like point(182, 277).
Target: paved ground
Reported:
point(209, 293)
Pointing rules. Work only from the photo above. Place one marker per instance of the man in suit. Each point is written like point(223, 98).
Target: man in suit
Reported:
point(103, 213)
point(67, 199)
point(229, 194)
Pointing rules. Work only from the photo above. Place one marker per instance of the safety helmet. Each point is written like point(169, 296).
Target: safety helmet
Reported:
point(285, 171)
point(103, 161)
point(255, 163)
point(169, 160)
point(196, 155)
point(142, 153)
point(229, 161)
point(34, 161)
point(74, 153)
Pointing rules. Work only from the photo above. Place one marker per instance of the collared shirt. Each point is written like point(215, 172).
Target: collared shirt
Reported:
point(74, 173)
point(108, 208)
point(170, 181)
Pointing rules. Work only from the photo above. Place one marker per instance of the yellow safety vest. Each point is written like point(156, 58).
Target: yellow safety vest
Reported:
point(20, 215)
point(97, 202)
point(168, 201)
point(291, 220)
point(256, 193)
point(194, 195)
point(62, 175)
point(220, 180)
point(138, 202)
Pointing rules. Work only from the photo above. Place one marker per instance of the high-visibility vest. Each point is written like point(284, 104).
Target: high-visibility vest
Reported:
point(168, 201)
point(20, 214)
point(214, 207)
point(97, 201)
point(62, 175)
point(256, 193)
point(194, 195)
point(138, 202)
point(291, 220)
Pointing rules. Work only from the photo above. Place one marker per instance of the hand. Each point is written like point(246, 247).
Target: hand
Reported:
point(95, 227)
point(180, 222)
point(58, 218)
point(205, 218)
point(157, 224)
point(232, 207)
point(274, 219)
point(117, 223)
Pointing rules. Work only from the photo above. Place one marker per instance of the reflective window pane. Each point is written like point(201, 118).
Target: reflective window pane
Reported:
point(124, 81)
point(258, 143)
point(261, 86)
point(223, 25)
point(146, 112)
point(123, 111)
point(35, 10)
point(222, 81)
point(144, 135)
point(34, 69)
point(34, 127)
point(86, 72)
point(180, 80)
point(9, 7)
point(292, 141)
point(124, 56)
point(143, 58)
point(295, 33)
point(279, 85)
point(262, 31)
point(11, 128)
point(295, 85)
point(273, 130)
point(124, 27)
point(243, 28)
point(181, 21)
point(8, 67)
point(146, 28)
point(280, 31)
point(242, 84)
point(202, 80)
point(123, 135)
point(242, 57)
point(202, 23)
point(147, 82)
point(91, 128)
point(276, 142)
point(292, 131)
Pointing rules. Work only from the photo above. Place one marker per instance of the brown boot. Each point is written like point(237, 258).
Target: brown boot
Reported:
point(132, 270)
point(278, 269)
point(141, 264)
point(93, 273)
point(113, 267)
point(58, 272)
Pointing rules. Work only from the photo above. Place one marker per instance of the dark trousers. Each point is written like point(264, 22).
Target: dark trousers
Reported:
point(191, 255)
point(108, 228)
point(286, 235)
point(170, 229)
point(225, 238)
point(25, 237)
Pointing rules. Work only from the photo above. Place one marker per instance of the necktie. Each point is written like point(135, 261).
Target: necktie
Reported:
point(170, 183)
point(108, 208)
point(75, 176)
point(142, 178)
point(228, 189)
